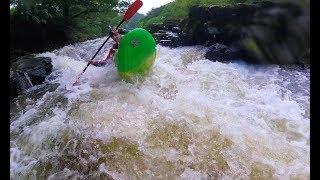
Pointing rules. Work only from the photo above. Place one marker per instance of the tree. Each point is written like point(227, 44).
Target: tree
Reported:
point(42, 11)
point(61, 21)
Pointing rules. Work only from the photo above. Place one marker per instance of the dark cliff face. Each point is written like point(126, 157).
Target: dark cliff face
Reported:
point(267, 32)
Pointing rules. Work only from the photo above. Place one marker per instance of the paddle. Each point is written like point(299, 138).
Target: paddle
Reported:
point(133, 8)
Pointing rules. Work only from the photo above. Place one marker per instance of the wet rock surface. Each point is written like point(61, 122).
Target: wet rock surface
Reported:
point(168, 34)
point(28, 71)
point(30, 96)
point(262, 33)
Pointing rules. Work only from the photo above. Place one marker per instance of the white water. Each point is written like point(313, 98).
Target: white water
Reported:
point(189, 119)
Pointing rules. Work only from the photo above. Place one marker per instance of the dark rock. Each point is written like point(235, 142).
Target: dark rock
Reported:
point(264, 32)
point(19, 103)
point(168, 33)
point(221, 53)
point(170, 25)
point(268, 33)
point(154, 28)
point(28, 71)
point(170, 43)
point(168, 38)
point(176, 29)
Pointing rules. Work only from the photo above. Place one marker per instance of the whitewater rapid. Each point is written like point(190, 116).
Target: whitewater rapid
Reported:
point(190, 118)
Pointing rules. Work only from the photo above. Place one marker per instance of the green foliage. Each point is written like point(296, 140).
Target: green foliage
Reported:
point(133, 21)
point(83, 19)
point(179, 9)
point(93, 25)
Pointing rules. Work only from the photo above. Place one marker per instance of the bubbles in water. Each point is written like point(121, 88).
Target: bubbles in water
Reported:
point(190, 118)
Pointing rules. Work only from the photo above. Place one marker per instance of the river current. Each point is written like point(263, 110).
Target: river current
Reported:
point(189, 118)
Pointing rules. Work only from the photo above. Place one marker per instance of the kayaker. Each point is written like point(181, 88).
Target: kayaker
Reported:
point(116, 36)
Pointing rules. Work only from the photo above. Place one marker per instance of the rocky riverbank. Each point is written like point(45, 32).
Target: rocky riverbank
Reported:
point(264, 33)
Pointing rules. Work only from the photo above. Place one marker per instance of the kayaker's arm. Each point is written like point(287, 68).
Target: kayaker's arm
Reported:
point(131, 11)
point(116, 36)
point(104, 62)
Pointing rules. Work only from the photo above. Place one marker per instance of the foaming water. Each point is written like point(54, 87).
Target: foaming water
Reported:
point(190, 118)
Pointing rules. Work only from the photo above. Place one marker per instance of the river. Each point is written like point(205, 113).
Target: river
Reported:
point(190, 118)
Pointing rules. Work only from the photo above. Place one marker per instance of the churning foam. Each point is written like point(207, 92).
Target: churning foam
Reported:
point(190, 118)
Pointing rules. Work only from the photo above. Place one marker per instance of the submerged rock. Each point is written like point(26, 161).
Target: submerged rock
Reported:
point(28, 71)
point(29, 97)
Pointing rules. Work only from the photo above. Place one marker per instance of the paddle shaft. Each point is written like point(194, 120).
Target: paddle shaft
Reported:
point(100, 49)
point(129, 13)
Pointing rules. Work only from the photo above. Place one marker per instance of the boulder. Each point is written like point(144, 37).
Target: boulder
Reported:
point(265, 32)
point(28, 71)
point(30, 96)
point(222, 53)
point(168, 33)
